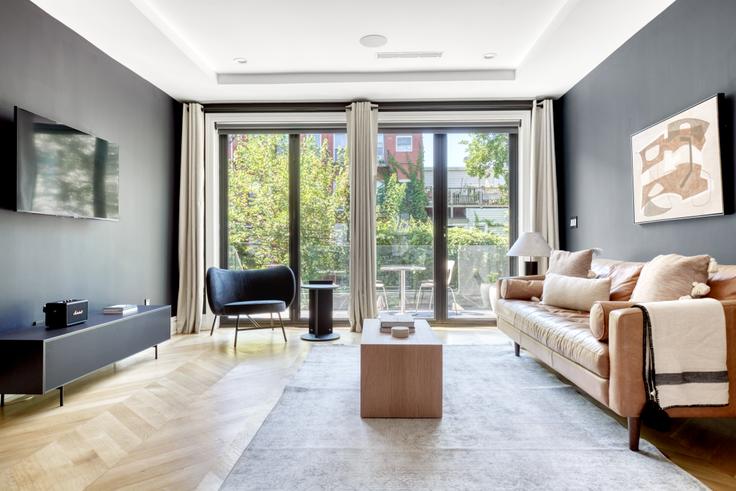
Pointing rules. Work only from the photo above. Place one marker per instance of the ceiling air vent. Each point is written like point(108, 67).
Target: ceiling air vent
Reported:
point(408, 54)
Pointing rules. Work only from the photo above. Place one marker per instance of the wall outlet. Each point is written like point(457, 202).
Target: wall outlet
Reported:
point(574, 222)
point(146, 301)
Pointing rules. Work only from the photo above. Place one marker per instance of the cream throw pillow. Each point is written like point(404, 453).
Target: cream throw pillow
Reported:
point(669, 277)
point(568, 292)
point(570, 263)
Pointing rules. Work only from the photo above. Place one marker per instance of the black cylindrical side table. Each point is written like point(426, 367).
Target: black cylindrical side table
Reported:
point(320, 312)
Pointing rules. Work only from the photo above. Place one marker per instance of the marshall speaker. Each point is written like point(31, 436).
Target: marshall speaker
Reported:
point(65, 313)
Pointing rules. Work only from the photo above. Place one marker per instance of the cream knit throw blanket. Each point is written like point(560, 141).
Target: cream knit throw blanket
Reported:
point(685, 353)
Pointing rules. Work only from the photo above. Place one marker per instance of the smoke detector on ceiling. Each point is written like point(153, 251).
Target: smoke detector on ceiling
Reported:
point(408, 54)
point(373, 40)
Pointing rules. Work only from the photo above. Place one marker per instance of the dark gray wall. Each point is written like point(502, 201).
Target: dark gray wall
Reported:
point(50, 70)
point(683, 56)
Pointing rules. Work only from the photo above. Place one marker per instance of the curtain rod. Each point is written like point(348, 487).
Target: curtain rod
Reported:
point(385, 106)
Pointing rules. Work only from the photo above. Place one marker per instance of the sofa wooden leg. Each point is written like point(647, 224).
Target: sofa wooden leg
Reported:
point(517, 349)
point(634, 433)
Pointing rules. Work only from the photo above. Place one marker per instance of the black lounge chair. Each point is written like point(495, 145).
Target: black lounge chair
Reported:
point(250, 292)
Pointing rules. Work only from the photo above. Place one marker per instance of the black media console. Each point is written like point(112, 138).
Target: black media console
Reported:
point(36, 360)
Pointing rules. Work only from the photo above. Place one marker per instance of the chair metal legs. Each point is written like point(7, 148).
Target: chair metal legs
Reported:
point(256, 325)
point(454, 300)
point(431, 298)
point(281, 321)
point(213, 325)
point(385, 297)
point(419, 298)
point(237, 329)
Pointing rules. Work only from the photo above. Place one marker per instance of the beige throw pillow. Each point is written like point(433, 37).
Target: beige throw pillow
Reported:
point(568, 292)
point(669, 277)
point(570, 263)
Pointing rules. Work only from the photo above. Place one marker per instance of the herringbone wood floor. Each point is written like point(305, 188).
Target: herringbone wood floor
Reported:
point(181, 422)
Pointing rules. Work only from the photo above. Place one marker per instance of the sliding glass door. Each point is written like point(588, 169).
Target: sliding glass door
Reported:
point(256, 184)
point(324, 210)
point(286, 201)
point(404, 224)
point(479, 219)
point(445, 218)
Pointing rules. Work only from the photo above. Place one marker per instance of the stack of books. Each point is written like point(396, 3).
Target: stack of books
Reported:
point(121, 309)
point(396, 320)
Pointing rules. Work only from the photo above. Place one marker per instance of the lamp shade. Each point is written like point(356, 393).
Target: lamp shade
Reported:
point(530, 244)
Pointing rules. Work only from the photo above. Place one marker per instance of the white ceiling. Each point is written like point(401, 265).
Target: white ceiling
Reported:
point(309, 50)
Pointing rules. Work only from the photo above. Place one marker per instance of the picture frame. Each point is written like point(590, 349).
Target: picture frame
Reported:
point(677, 165)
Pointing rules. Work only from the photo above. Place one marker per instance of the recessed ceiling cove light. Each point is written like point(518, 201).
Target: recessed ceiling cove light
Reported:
point(242, 61)
point(408, 54)
point(373, 40)
point(489, 56)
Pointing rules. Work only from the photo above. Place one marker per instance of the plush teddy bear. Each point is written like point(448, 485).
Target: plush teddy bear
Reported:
point(699, 291)
point(713, 266)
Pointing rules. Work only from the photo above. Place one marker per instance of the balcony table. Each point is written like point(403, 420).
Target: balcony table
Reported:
point(402, 269)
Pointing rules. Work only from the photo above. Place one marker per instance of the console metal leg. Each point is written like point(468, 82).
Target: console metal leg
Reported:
point(155, 351)
point(61, 396)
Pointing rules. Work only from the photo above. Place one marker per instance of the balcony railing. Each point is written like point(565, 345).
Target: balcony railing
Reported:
point(469, 196)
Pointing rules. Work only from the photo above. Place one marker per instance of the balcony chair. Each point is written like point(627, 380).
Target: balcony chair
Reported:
point(249, 292)
point(429, 285)
point(381, 286)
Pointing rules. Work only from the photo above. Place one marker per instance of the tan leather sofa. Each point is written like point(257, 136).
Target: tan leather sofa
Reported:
point(610, 371)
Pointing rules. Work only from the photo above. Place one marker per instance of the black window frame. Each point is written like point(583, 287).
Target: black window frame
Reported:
point(440, 210)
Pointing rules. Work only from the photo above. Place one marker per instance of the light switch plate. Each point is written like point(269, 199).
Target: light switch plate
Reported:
point(574, 222)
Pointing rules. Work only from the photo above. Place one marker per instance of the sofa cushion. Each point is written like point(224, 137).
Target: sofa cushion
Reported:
point(573, 293)
point(521, 289)
point(623, 274)
point(599, 316)
point(564, 331)
point(251, 307)
point(669, 277)
point(723, 283)
point(570, 263)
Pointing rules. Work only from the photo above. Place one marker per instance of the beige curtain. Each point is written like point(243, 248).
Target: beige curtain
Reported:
point(544, 175)
point(191, 221)
point(362, 141)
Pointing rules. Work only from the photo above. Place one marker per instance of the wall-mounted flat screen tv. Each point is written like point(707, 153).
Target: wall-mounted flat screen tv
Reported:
point(64, 171)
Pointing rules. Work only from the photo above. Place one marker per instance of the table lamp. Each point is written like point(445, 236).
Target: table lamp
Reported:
point(531, 245)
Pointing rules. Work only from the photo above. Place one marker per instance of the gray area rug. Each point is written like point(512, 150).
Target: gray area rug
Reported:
point(508, 424)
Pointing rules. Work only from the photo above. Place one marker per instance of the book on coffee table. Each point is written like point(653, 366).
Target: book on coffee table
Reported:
point(396, 320)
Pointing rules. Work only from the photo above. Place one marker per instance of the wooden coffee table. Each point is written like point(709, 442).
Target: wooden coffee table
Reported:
point(400, 378)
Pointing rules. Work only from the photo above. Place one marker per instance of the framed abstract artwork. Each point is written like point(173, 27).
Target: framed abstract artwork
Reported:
point(677, 166)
